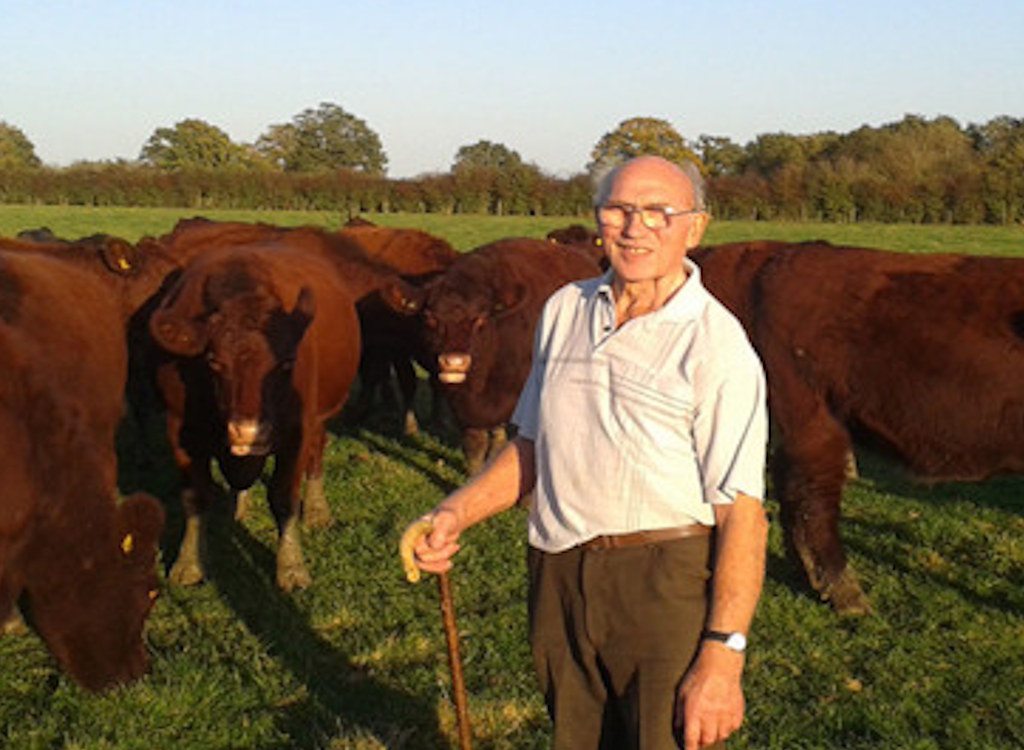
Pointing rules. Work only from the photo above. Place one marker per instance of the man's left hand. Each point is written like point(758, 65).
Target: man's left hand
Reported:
point(709, 703)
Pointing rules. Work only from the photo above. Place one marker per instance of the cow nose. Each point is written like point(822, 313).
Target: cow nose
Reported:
point(244, 437)
point(453, 366)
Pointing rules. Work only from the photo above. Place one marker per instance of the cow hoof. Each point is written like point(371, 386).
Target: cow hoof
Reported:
point(293, 577)
point(846, 597)
point(186, 574)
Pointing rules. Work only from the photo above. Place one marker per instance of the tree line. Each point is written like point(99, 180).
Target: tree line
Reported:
point(916, 170)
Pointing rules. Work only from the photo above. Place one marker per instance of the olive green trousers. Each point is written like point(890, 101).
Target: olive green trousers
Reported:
point(613, 632)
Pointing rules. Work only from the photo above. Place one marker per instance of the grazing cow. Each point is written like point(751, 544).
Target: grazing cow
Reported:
point(392, 341)
point(479, 318)
point(266, 344)
point(886, 346)
point(78, 564)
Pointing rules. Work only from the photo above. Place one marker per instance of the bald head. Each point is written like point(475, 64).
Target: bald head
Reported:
point(685, 181)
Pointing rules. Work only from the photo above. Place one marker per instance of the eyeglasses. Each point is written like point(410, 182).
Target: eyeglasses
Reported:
point(653, 217)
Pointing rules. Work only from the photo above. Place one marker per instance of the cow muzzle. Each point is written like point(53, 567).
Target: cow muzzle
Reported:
point(248, 437)
point(453, 367)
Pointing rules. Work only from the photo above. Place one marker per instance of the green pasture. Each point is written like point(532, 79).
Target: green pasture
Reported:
point(468, 231)
point(357, 661)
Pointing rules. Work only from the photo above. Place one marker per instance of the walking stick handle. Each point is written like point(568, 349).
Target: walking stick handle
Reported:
point(407, 544)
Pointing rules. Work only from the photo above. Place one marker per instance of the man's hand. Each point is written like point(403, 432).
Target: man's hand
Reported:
point(433, 551)
point(709, 704)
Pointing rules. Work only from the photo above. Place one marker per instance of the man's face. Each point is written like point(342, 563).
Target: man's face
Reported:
point(636, 252)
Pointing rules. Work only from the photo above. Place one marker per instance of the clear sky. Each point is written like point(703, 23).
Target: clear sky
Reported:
point(92, 79)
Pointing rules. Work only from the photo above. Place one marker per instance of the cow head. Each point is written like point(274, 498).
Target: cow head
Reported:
point(460, 324)
point(250, 344)
point(88, 597)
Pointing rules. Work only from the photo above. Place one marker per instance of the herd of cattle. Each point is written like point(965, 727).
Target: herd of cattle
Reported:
point(249, 338)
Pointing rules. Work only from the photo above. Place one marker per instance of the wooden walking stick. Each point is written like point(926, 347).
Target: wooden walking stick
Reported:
point(451, 631)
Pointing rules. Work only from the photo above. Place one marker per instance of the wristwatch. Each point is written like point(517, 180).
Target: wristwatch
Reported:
point(735, 641)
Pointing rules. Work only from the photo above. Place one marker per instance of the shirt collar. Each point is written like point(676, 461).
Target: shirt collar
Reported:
point(687, 301)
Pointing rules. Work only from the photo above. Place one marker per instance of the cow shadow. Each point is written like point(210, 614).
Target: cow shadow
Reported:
point(435, 451)
point(1003, 492)
point(893, 543)
point(337, 694)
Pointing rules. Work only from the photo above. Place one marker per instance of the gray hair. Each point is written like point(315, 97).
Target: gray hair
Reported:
point(605, 175)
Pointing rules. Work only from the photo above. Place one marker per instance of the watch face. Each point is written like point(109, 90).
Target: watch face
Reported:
point(736, 641)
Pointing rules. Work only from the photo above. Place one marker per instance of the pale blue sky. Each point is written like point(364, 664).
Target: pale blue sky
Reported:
point(92, 79)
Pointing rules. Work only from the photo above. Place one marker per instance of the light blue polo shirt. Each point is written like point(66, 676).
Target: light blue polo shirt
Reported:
point(643, 427)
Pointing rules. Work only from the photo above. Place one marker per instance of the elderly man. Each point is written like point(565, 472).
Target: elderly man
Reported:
point(642, 429)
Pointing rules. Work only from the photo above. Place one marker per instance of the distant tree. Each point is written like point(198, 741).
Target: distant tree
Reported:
point(720, 155)
point(637, 137)
point(1000, 143)
point(16, 150)
point(192, 143)
point(487, 155)
point(325, 138)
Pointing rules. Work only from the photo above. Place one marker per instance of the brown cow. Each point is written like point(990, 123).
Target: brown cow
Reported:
point(583, 238)
point(392, 342)
point(479, 318)
point(887, 346)
point(266, 342)
point(80, 565)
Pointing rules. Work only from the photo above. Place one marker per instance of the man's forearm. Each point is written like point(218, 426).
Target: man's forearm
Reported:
point(504, 480)
point(738, 575)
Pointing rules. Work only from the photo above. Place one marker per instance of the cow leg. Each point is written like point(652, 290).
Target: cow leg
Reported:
point(242, 504)
point(283, 494)
point(809, 470)
point(497, 438)
point(316, 514)
point(189, 568)
point(441, 417)
point(407, 380)
point(474, 445)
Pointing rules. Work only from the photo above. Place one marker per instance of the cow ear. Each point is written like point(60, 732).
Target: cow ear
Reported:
point(174, 323)
point(403, 297)
point(118, 255)
point(140, 521)
point(509, 298)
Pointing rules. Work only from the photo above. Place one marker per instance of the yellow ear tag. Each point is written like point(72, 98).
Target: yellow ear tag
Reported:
point(127, 543)
point(123, 264)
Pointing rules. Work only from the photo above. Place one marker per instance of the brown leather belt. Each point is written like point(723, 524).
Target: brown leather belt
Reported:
point(640, 538)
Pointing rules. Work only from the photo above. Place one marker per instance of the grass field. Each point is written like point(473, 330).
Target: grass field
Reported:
point(465, 232)
point(357, 661)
